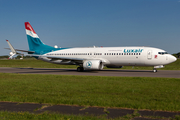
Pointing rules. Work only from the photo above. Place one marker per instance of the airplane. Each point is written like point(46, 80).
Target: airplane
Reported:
point(13, 53)
point(95, 58)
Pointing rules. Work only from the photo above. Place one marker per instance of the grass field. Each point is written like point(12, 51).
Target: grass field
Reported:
point(4, 115)
point(40, 64)
point(45, 116)
point(121, 92)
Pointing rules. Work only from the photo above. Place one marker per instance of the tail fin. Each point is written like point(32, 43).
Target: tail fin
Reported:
point(11, 47)
point(13, 53)
point(35, 44)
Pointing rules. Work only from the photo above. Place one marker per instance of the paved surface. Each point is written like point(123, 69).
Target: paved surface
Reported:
point(133, 73)
point(76, 110)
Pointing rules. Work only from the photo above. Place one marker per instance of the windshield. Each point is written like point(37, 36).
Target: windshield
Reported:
point(162, 53)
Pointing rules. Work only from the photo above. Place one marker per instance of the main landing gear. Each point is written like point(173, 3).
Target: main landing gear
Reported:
point(80, 69)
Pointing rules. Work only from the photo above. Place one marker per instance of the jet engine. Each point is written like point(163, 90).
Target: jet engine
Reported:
point(93, 65)
point(11, 53)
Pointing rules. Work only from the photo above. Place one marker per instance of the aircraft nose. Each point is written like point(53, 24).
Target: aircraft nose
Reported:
point(172, 59)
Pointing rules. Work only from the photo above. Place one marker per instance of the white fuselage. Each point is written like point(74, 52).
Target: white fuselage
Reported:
point(117, 56)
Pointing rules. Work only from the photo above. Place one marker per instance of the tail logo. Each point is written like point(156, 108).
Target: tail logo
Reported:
point(28, 26)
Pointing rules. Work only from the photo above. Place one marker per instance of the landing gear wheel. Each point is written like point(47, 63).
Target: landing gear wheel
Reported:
point(80, 69)
point(154, 70)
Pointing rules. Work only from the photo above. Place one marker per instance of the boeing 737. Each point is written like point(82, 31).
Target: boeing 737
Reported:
point(95, 58)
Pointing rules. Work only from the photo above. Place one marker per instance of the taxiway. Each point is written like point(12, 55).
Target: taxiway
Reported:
point(118, 72)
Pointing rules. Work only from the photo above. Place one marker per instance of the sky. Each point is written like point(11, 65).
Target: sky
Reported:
point(85, 23)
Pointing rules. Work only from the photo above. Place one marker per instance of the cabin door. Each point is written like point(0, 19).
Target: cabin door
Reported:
point(149, 54)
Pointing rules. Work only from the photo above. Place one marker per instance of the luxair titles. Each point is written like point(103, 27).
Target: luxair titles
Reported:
point(133, 50)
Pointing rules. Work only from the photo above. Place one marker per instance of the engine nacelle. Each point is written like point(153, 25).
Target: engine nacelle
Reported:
point(12, 55)
point(113, 66)
point(93, 65)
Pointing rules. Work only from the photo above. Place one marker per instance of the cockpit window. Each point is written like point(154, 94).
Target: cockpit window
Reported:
point(162, 53)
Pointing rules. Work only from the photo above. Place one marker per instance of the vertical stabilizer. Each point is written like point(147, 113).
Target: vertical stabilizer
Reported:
point(13, 53)
point(11, 47)
point(35, 44)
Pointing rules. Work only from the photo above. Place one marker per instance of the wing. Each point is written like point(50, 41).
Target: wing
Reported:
point(69, 59)
point(64, 59)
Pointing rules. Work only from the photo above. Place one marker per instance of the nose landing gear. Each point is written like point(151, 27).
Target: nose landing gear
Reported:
point(154, 70)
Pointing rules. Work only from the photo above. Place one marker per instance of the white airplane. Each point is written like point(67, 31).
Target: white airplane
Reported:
point(13, 53)
point(95, 58)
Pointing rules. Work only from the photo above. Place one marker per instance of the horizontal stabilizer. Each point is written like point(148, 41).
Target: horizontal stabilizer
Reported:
point(21, 50)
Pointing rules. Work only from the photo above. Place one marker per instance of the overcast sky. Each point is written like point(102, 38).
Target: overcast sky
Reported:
point(84, 23)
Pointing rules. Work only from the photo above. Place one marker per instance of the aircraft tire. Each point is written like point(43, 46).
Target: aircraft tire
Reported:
point(80, 69)
point(154, 70)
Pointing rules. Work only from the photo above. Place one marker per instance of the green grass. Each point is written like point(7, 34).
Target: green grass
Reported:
point(41, 64)
point(4, 115)
point(122, 92)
